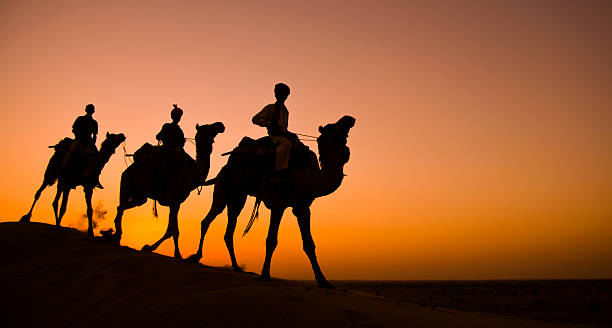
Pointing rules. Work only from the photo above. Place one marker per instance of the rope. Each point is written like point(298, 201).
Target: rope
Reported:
point(191, 140)
point(305, 135)
point(126, 155)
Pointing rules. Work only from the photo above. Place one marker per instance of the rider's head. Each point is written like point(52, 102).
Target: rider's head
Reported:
point(90, 109)
point(176, 114)
point(281, 91)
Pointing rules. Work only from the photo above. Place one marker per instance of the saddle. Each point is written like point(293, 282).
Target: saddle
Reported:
point(73, 156)
point(164, 161)
point(262, 151)
point(159, 154)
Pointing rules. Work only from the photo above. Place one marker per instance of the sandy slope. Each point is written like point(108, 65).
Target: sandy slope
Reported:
point(60, 278)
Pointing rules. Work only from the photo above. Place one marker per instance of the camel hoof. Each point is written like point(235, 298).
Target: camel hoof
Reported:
point(195, 258)
point(146, 249)
point(178, 256)
point(237, 269)
point(25, 219)
point(265, 277)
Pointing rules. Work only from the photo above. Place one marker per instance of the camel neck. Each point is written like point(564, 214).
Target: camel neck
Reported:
point(329, 179)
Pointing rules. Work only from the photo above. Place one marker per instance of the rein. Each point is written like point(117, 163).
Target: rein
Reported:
point(126, 155)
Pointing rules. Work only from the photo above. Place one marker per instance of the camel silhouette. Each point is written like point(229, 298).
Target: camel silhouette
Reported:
point(68, 179)
point(238, 179)
point(138, 182)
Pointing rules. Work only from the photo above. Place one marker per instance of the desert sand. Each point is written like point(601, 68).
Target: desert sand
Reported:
point(60, 278)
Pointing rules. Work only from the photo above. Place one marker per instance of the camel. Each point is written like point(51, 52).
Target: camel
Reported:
point(70, 179)
point(138, 182)
point(240, 178)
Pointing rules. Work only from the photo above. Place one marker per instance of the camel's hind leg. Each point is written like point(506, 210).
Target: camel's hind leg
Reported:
point(65, 191)
point(56, 210)
point(219, 201)
point(171, 231)
point(88, 195)
point(303, 218)
point(234, 207)
point(26, 218)
point(126, 201)
point(271, 240)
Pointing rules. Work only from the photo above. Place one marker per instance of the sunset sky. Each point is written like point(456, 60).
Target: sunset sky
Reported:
point(482, 148)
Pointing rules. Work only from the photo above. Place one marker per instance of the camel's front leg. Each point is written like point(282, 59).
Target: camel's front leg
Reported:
point(171, 231)
point(234, 208)
point(88, 195)
point(303, 218)
point(65, 193)
point(271, 240)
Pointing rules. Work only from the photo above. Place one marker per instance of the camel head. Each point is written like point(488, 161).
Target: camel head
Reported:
point(208, 132)
point(111, 143)
point(332, 141)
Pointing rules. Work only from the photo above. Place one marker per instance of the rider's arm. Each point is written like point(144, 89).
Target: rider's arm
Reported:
point(75, 125)
point(161, 133)
point(264, 117)
point(95, 132)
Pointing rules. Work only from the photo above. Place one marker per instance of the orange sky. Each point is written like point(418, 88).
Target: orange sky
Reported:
point(482, 149)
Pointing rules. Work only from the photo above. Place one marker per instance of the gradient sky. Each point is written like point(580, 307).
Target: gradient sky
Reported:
point(482, 149)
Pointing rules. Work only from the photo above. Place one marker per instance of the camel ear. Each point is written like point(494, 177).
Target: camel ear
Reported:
point(320, 129)
point(107, 134)
point(197, 126)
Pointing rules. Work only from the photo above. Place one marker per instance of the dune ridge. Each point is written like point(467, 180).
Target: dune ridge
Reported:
point(54, 278)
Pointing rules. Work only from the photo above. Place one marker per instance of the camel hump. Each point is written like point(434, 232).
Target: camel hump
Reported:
point(146, 151)
point(63, 145)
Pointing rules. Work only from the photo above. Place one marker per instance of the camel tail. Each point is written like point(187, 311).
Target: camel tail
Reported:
point(155, 208)
point(254, 216)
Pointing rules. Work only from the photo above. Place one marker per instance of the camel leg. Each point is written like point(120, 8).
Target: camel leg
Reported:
point(234, 208)
point(171, 231)
point(123, 206)
point(58, 194)
point(271, 240)
point(303, 218)
point(215, 209)
point(26, 218)
point(65, 193)
point(173, 221)
point(88, 195)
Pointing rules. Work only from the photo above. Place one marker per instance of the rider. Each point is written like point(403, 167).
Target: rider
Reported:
point(275, 118)
point(85, 130)
point(172, 139)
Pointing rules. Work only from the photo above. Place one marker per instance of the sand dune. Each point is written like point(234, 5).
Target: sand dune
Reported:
point(56, 278)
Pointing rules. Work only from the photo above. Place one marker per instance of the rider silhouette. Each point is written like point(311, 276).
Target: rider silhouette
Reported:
point(171, 135)
point(85, 130)
point(172, 142)
point(275, 118)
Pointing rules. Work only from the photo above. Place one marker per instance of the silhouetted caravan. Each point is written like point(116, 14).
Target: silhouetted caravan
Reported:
point(77, 162)
point(250, 171)
point(86, 174)
point(167, 175)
